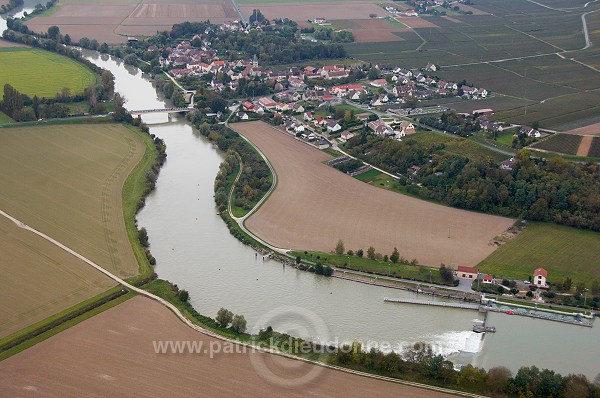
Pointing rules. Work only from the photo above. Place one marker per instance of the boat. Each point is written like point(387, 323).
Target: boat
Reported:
point(510, 313)
point(484, 329)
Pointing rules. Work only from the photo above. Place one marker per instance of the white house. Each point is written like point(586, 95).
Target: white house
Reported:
point(333, 126)
point(346, 135)
point(540, 276)
point(467, 272)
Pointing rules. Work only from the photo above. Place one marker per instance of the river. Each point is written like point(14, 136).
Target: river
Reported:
point(195, 250)
point(28, 6)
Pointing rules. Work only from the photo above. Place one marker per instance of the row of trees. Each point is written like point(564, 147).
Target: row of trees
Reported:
point(12, 4)
point(225, 318)
point(374, 255)
point(537, 189)
point(418, 362)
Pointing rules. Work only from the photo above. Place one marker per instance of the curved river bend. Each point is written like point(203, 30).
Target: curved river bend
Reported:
point(195, 250)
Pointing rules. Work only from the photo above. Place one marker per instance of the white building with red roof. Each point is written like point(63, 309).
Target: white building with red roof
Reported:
point(540, 277)
point(467, 272)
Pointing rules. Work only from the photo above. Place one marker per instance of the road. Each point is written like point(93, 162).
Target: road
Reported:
point(199, 329)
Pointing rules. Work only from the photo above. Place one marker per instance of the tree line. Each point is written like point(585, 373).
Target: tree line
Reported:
point(536, 189)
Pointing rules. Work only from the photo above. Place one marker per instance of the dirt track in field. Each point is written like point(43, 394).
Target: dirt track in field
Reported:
point(304, 11)
point(585, 145)
point(112, 354)
point(315, 205)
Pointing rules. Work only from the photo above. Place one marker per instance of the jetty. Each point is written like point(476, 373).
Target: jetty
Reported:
point(449, 304)
point(490, 306)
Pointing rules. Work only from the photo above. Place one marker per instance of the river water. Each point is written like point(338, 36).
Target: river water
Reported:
point(195, 250)
point(28, 6)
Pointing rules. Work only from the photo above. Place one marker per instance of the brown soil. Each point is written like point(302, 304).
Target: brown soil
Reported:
point(315, 205)
point(112, 354)
point(5, 44)
point(585, 145)
point(452, 19)
point(303, 11)
point(592, 129)
point(370, 30)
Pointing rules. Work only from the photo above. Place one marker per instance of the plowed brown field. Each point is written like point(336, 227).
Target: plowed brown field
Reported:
point(112, 355)
point(303, 11)
point(315, 205)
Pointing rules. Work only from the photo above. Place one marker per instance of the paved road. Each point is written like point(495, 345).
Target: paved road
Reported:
point(192, 325)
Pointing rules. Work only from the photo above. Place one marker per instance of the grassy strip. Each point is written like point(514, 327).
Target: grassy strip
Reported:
point(133, 190)
point(540, 306)
point(73, 120)
point(48, 327)
point(375, 267)
point(332, 152)
point(370, 175)
point(4, 118)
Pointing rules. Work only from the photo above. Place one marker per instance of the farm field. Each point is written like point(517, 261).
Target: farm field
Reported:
point(298, 11)
point(88, 360)
point(4, 118)
point(39, 279)
point(67, 180)
point(120, 19)
point(561, 143)
point(595, 148)
point(371, 30)
point(558, 92)
point(563, 251)
point(21, 67)
point(311, 196)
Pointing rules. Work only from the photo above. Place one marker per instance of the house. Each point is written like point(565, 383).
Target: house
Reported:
point(530, 132)
point(308, 116)
point(346, 135)
point(378, 83)
point(382, 99)
point(267, 103)
point(242, 115)
point(297, 108)
point(431, 67)
point(487, 279)
point(508, 165)
point(467, 272)
point(540, 277)
point(413, 170)
point(322, 144)
point(333, 126)
point(407, 127)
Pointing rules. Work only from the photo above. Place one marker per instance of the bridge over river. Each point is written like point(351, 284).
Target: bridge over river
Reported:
point(160, 110)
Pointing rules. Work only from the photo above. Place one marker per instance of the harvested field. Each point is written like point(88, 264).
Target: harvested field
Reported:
point(315, 205)
point(66, 181)
point(20, 67)
point(112, 354)
point(560, 143)
point(452, 20)
point(370, 30)
point(39, 279)
point(592, 129)
point(585, 145)
point(327, 10)
point(595, 148)
point(7, 44)
point(117, 21)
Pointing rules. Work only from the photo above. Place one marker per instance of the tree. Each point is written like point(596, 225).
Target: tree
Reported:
point(238, 323)
point(53, 32)
point(298, 260)
point(184, 295)
point(371, 253)
point(339, 248)
point(35, 105)
point(446, 274)
point(224, 317)
point(318, 268)
point(327, 270)
point(498, 379)
point(395, 255)
point(12, 103)
point(360, 253)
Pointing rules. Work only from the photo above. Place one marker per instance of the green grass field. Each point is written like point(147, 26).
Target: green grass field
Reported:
point(560, 143)
point(4, 118)
point(563, 251)
point(369, 176)
point(42, 73)
point(365, 264)
point(458, 146)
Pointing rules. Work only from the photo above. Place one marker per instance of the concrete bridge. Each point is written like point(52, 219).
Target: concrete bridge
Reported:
point(161, 110)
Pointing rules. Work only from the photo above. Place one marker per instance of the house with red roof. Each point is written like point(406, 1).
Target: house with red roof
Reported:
point(540, 277)
point(487, 278)
point(467, 272)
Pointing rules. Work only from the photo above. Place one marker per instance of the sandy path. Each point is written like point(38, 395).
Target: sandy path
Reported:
point(585, 145)
point(315, 205)
point(112, 354)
